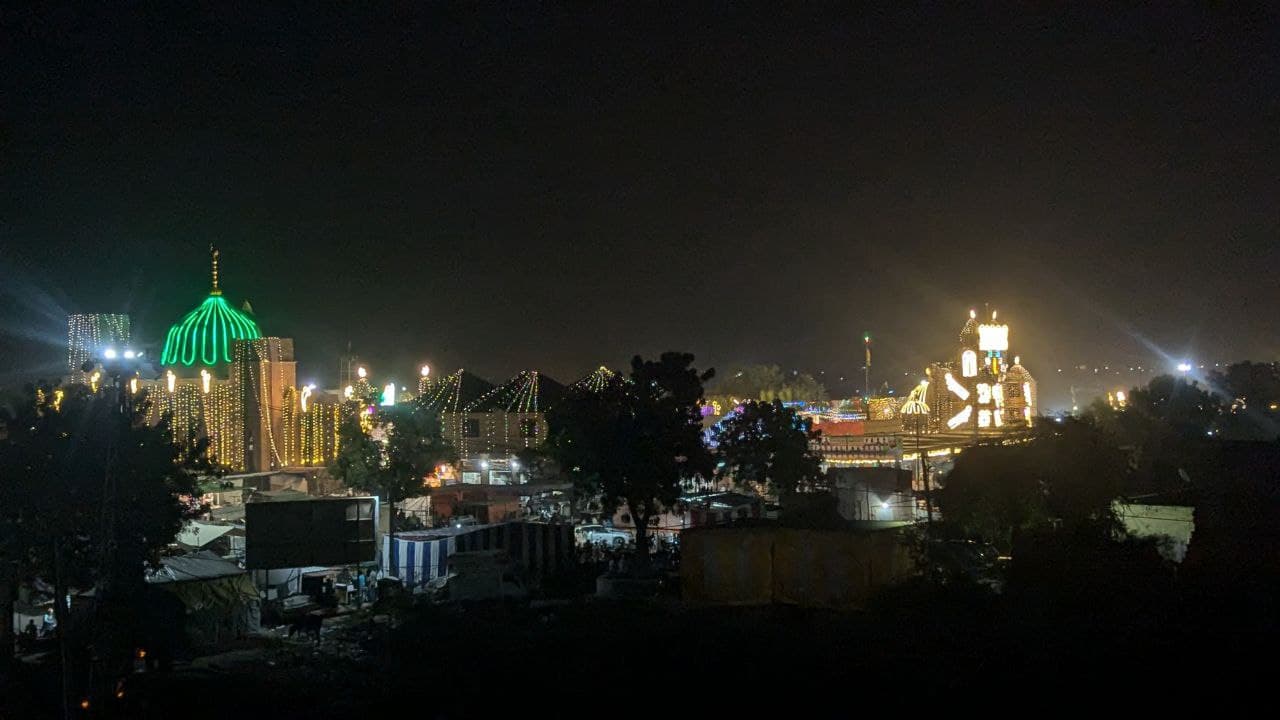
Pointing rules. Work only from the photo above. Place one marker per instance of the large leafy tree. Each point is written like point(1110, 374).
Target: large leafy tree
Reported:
point(634, 441)
point(1069, 472)
point(768, 444)
point(89, 494)
point(396, 464)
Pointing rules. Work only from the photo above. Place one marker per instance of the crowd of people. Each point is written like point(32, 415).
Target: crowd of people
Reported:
point(360, 586)
point(617, 559)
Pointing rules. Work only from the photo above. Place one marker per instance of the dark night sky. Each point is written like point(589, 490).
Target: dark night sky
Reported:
point(508, 188)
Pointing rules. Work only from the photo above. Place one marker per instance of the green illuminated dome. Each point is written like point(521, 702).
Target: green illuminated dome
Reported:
point(203, 336)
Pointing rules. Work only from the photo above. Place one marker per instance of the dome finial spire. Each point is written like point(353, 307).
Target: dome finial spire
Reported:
point(214, 252)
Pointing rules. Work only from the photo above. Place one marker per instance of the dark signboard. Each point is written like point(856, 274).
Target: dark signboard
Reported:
point(302, 533)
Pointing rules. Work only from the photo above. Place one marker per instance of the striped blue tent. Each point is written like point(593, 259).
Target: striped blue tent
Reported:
point(417, 558)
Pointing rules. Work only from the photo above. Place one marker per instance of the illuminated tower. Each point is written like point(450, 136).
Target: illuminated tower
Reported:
point(1020, 393)
point(264, 378)
point(88, 334)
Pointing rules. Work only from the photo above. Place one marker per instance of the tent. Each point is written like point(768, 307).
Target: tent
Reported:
point(196, 534)
point(419, 557)
point(220, 600)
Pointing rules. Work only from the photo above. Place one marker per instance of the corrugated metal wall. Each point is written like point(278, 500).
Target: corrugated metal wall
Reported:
point(812, 568)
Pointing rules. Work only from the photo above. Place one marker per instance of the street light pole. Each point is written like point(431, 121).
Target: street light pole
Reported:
point(921, 455)
point(866, 370)
point(918, 410)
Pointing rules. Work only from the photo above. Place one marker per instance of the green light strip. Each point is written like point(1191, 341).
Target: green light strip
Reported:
point(204, 335)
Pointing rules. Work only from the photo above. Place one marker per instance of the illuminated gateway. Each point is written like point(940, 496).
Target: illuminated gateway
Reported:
point(979, 391)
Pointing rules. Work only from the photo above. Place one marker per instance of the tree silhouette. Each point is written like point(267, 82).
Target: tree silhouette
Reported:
point(89, 494)
point(1165, 428)
point(396, 466)
point(767, 443)
point(634, 441)
point(1252, 400)
point(1069, 472)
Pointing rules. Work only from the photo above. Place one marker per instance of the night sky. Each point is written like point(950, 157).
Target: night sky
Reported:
point(504, 188)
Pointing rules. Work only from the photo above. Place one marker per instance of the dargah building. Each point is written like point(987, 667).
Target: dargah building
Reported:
point(224, 379)
point(980, 392)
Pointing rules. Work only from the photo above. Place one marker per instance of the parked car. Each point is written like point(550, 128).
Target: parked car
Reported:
point(592, 534)
point(975, 561)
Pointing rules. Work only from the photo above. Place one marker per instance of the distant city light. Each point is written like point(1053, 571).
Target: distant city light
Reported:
point(360, 371)
point(109, 353)
point(1184, 367)
point(426, 370)
point(128, 354)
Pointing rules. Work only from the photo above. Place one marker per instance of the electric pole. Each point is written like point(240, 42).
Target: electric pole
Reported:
point(866, 370)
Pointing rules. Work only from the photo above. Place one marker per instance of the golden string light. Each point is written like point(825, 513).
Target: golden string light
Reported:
point(289, 424)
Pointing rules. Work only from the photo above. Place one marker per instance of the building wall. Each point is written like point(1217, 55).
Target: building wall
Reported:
point(493, 434)
point(1175, 522)
point(809, 568)
point(230, 417)
point(318, 433)
point(874, 493)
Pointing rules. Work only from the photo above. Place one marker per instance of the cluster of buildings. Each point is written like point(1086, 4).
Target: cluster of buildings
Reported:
point(878, 450)
point(223, 379)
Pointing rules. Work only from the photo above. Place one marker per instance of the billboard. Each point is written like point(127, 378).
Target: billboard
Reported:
point(315, 531)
